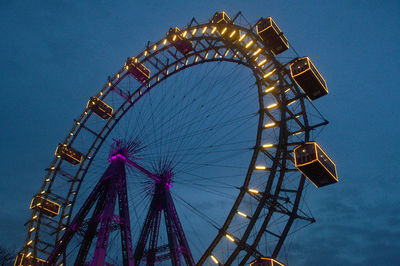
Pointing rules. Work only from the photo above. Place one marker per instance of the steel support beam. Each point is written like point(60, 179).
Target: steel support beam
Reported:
point(111, 185)
point(162, 203)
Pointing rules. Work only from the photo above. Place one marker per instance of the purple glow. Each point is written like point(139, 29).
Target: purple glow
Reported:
point(112, 158)
point(148, 173)
point(75, 227)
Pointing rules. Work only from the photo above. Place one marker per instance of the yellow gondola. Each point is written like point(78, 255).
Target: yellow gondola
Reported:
point(272, 35)
point(68, 154)
point(100, 108)
point(137, 69)
point(313, 162)
point(308, 78)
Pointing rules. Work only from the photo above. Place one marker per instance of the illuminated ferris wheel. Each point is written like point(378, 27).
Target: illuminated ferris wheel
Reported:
point(189, 154)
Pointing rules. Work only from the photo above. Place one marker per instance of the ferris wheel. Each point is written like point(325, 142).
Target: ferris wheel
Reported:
point(196, 151)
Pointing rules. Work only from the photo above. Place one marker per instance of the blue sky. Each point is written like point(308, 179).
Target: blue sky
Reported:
point(55, 55)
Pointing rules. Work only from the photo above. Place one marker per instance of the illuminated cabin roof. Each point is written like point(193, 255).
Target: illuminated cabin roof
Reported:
point(221, 17)
point(266, 262)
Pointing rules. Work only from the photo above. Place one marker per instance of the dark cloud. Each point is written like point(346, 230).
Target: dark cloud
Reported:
point(356, 228)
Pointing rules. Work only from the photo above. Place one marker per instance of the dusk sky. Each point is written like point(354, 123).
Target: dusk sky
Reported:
point(57, 54)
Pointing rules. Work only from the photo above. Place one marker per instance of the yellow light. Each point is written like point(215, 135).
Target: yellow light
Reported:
point(47, 179)
point(297, 133)
point(292, 102)
point(155, 47)
point(262, 62)
point(232, 34)
point(249, 44)
point(109, 84)
point(213, 30)
point(226, 53)
point(197, 58)
point(184, 33)
point(101, 93)
point(165, 41)
point(186, 62)
point(174, 38)
point(214, 259)
point(194, 31)
point(287, 90)
point(223, 31)
point(206, 55)
point(272, 106)
point(260, 167)
point(230, 238)
point(71, 134)
point(145, 53)
point(34, 217)
point(126, 67)
point(257, 52)
point(254, 191)
point(28, 255)
point(269, 145)
point(269, 74)
point(42, 192)
point(205, 29)
point(118, 75)
point(269, 125)
point(32, 229)
point(242, 214)
point(269, 89)
point(30, 242)
point(241, 38)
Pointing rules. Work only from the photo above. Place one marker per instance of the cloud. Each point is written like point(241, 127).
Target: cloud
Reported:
point(356, 226)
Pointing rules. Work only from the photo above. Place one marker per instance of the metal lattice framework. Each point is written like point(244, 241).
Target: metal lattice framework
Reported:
point(162, 202)
point(267, 202)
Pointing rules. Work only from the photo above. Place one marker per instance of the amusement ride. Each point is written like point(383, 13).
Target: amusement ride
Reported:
point(196, 152)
